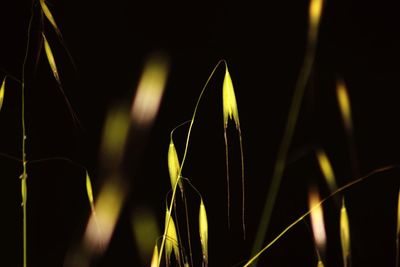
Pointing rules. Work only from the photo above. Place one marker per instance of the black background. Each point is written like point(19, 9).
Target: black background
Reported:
point(263, 44)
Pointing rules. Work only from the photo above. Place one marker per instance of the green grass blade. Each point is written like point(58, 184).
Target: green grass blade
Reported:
point(314, 17)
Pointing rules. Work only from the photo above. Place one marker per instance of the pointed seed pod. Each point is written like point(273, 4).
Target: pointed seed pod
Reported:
point(345, 235)
point(203, 228)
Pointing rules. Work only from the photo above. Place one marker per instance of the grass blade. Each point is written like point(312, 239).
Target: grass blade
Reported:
point(327, 170)
point(317, 221)
point(315, 13)
point(2, 89)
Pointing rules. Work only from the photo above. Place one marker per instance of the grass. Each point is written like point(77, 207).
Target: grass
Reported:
point(184, 237)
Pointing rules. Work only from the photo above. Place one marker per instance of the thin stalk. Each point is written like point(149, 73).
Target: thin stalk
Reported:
point(24, 175)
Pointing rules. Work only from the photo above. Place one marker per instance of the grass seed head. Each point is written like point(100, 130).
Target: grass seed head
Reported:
point(50, 58)
point(203, 228)
point(229, 105)
point(345, 234)
point(171, 240)
point(154, 258)
point(173, 165)
point(49, 16)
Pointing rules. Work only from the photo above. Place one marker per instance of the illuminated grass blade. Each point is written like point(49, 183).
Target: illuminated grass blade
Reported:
point(230, 111)
point(2, 89)
point(345, 235)
point(49, 16)
point(203, 229)
point(50, 58)
point(320, 264)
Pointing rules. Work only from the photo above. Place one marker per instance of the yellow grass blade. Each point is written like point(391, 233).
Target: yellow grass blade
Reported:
point(154, 258)
point(317, 220)
point(326, 169)
point(150, 90)
point(49, 16)
point(50, 58)
point(145, 232)
point(315, 11)
point(2, 89)
point(203, 228)
point(344, 104)
point(173, 165)
point(320, 264)
point(89, 191)
point(345, 235)
point(102, 224)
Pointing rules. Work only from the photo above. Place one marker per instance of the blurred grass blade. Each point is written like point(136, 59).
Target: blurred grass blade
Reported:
point(315, 14)
point(150, 90)
point(320, 264)
point(154, 258)
point(344, 104)
point(327, 170)
point(171, 239)
point(145, 232)
point(345, 235)
point(102, 224)
point(49, 16)
point(203, 228)
point(317, 221)
point(173, 166)
point(315, 11)
point(2, 89)
point(50, 58)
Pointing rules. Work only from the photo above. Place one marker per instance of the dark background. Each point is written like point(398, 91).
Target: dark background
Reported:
point(264, 45)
